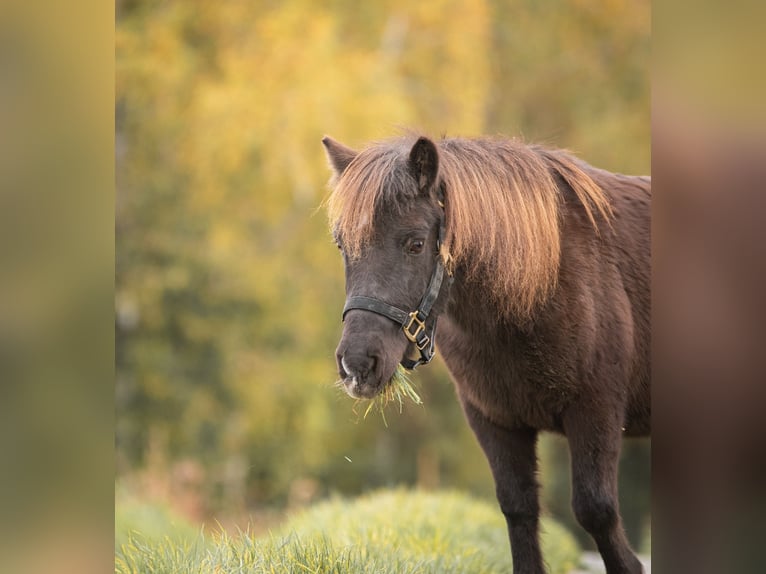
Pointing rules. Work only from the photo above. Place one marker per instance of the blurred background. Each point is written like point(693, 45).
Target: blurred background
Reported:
point(228, 286)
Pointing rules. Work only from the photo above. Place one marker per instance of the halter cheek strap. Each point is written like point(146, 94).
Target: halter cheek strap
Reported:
point(414, 322)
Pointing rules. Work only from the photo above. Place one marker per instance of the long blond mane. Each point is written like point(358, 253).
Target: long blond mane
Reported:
point(502, 204)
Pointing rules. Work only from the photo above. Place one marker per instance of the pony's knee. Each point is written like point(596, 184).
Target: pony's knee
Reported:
point(519, 504)
point(595, 513)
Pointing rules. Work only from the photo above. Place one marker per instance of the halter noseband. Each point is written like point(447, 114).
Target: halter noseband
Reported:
point(413, 323)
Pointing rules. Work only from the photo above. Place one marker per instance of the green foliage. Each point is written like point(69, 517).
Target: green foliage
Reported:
point(385, 532)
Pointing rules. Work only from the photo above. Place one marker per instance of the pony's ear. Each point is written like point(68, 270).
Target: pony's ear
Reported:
point(424, 163)
point(338, 155)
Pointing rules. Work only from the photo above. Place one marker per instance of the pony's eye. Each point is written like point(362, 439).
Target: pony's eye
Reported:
point(415, 246)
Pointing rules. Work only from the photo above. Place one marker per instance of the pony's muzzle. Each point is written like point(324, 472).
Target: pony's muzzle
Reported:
point(368, 353)
point(359, 373)
point(357, 365)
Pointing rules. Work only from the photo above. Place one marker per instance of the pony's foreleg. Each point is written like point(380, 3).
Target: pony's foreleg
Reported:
point(512, 458)
point(595, 437)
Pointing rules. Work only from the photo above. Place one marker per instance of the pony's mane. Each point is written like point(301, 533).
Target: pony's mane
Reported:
point(502, 205)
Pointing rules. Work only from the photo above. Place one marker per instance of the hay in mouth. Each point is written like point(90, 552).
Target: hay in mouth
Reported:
point(398, 389)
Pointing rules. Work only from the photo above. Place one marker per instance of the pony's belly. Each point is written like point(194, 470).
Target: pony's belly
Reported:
point(639, 419)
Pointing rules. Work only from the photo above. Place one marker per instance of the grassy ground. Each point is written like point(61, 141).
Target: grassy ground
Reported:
point(151, 523)
point(388, 532)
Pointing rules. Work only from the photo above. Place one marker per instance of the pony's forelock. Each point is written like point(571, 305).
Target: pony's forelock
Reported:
point(375, 178)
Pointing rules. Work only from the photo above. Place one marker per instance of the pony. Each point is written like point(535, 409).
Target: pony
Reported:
point(536, 267)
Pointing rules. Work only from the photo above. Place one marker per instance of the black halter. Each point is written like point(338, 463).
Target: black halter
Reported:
point(413, 323)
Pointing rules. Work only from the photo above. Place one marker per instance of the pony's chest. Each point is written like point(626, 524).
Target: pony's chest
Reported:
point(515, 383)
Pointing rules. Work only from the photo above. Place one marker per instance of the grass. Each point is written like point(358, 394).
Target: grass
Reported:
point(387, 532)
point(399, 388)
point(154, 521)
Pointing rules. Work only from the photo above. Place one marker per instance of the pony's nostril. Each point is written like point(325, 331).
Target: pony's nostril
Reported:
point(374, 364)
point(344, 366)
point(357, 366)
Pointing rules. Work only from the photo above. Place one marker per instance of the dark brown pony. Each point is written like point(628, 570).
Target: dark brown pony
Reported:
point(537, 267)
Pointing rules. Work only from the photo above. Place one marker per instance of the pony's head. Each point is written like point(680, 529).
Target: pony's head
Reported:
point(386, 212)
point(498, 204)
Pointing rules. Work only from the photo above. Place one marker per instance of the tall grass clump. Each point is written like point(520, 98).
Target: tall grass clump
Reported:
point(387, 532)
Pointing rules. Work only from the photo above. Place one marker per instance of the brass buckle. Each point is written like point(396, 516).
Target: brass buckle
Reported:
point(420, 326)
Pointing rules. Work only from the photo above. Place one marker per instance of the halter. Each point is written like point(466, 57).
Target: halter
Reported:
point(413, 323)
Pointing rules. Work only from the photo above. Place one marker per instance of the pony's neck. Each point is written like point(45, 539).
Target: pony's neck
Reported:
point(473, 309)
